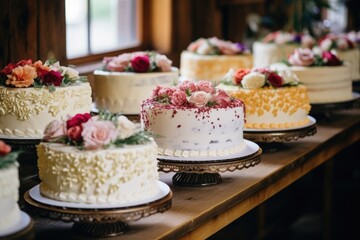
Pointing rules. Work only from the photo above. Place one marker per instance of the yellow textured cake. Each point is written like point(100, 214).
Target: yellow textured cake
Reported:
point(210, 59)
point(34, 94)
point(272, 99)
point(105, 161)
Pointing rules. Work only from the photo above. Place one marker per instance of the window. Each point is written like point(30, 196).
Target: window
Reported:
point(100, 26)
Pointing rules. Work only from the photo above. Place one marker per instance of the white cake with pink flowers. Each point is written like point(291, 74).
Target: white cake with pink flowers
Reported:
point(128, 79)
point(194, 119)
point(277, 46)
point(326, 77)
point(209, 59)
point(9, 185)
point(97, 160)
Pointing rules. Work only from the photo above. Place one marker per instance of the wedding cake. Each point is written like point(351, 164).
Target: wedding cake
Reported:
point(209, 59)
point(129, 78)
point(34, 94)
point(105, 159)
point(193, 119)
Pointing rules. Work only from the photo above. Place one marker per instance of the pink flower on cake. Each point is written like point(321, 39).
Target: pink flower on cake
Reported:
point(188, 86)
point(200, 98)
point(140, 64)
point(205, 86)
point(55, 129)
point(331, 59)
point(166, 91)
point(98, 133)
point(179, 98)
point(4, 148)
point(125, 127)
point(221, 97)
point(216, 46)
point(302, 57)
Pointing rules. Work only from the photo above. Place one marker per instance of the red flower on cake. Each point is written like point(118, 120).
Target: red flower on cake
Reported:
point(51, 78)
point(331, 59)
point(140, 64)
point(77, 120)
point(275, 80)
point(4, 148)
point(74, 133)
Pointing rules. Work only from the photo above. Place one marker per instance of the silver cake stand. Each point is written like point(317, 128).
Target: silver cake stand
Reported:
point(202, 172)
point(271, 140)
point(96, 222)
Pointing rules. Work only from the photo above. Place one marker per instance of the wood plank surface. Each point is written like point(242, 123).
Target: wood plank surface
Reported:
point(199, 212)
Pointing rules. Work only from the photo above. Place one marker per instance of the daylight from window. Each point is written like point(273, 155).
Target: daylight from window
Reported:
point(99, 26)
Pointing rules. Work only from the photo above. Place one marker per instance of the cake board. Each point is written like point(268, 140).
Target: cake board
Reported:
point(98, 220)
point(24, 230)
point(205, 171)
point(271, 140)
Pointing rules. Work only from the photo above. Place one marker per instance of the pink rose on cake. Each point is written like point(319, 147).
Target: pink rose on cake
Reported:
point(196, 94)
point(25, 74)
point(256, 78)
point(216, 46)
point(313, 57)
point(139, 62)
point(95, 132)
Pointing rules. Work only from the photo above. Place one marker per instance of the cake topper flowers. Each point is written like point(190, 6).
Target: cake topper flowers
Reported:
point(313, 57)
point(260, 77)
point(215, 46)
point(192, 94)
point(95, 132)
point(282, 37)
point(25, 74)
point(139, 62)
point(7, 157)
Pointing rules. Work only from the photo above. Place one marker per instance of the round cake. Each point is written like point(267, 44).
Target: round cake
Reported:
point(194, 120)
point(105, 161)
point(209, 59)
point(277, 46)
point(327, 79)
point(34, 94)
point(129, 79)
point(9, 185)
point(273, 99)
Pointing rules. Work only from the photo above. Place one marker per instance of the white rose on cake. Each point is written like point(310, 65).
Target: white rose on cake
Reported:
point(253, 80)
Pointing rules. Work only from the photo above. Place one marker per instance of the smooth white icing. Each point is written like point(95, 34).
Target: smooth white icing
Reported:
point(24, 112)
point(9, 196)
point(352, 56)
point(265, 54)
point(188, 132)
point(117, 175)
point(212, 68)
point(269, 108)
point(123, 92)
point(326, 84)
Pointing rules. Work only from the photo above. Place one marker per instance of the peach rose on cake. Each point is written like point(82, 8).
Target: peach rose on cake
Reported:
point(200, 98)
point(96, 134)
point(22, 76)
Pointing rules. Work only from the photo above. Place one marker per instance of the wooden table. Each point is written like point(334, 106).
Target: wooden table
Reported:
point(199, 212)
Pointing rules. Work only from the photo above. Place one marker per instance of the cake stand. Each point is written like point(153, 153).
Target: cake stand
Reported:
point(326, 108)
point(27, 146)
point(23, 230)
point(271, 140)
point(98, 220)
point(204, 171)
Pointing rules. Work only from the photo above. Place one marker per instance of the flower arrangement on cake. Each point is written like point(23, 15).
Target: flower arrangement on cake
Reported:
point(95, 132)
point(191, 94)
point(138, 62)
point(27, 73)
point(216, 46)
point(283, 37)
point(313, 57)
point(336, 41)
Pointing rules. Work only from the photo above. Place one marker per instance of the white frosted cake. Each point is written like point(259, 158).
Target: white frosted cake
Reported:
point(327, 79)
point(346, 49)
point(194, 120)
point(209, 59)
point(34, 94)
point(9, 185)
point(277, 46)
point(105, 161)
point(129, 79)
point(273, 99)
